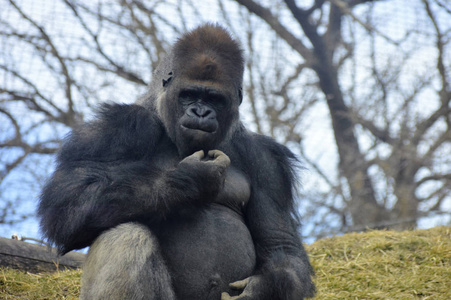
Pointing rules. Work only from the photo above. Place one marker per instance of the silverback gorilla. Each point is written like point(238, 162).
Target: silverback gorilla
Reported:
point(175, 197)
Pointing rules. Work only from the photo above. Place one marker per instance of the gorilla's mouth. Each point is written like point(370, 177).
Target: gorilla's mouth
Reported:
point(204, 126)
point(199, 129)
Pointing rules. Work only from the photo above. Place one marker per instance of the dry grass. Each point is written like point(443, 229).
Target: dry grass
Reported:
point(384, 265)
point(45, 286)
point(371, 265)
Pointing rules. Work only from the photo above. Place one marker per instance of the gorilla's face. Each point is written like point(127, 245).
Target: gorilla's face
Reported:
point(200, 106)
point(198, 116)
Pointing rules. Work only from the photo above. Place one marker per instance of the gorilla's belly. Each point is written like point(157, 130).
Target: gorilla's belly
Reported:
point(207, 251)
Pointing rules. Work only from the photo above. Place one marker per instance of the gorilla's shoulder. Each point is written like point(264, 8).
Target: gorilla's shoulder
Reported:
point(118, 131)
point(259, 143)
point(131, 117)
point(262, 151)
point(269, 165)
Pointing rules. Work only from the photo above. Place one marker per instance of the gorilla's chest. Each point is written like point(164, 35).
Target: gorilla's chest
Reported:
point(236, 191)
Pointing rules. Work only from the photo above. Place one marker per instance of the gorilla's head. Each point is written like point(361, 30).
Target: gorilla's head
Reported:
point(198, 88)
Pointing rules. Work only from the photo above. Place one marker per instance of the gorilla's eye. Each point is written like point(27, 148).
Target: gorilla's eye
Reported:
point(189, 94)
point(209, 96)
point(187, 97)
point(217, 100)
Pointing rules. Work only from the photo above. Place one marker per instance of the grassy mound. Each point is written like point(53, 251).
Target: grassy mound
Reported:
point(384, 265)
point(45, 286)
point(371, 265)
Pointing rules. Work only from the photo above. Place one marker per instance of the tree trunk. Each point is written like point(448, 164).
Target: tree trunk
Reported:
point(364, 209)
point(406, 208)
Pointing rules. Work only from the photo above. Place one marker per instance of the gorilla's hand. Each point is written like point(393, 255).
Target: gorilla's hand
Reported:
point(215, 163)
point(251, 287)
point(209, 170)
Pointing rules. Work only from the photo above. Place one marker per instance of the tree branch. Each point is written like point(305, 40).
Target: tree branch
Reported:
point(70, 114)
point(346, 7)
point(266, 15)
point(446, 177)
point(118, 69)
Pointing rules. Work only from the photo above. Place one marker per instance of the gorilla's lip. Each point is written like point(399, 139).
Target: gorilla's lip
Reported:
point(199, 128)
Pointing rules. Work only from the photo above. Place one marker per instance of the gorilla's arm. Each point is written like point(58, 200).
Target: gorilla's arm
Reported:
point(283, 268)
point(105, 177)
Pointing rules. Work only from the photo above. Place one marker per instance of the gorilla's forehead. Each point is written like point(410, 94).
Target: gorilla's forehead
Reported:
point(208, 70)
point(204, 66)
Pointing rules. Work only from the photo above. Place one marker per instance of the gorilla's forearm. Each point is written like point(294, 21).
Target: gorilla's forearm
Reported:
point(283, 269)
point(95, 196)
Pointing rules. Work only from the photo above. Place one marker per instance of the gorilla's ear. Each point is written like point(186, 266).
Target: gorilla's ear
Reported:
point(168, 79)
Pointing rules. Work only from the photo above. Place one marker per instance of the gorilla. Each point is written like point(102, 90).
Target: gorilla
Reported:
point(174, 196)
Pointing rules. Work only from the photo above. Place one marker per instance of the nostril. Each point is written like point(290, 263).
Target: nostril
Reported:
point(192, 111)
point(206, 113)
point(200, 112)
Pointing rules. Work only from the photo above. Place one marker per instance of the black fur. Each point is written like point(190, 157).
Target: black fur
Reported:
point(231, 222)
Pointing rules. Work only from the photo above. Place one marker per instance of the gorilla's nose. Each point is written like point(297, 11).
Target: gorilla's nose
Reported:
point(201, 112)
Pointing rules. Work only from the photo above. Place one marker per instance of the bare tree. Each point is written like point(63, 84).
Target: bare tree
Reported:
point(379, 134)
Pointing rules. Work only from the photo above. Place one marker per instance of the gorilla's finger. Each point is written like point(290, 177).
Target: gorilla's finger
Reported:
point(215, 153)
point(225, 296)
point(198, 155)
point(219, 157)
point(239, 285)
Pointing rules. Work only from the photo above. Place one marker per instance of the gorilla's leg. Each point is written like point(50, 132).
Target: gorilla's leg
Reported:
point(125, 263)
